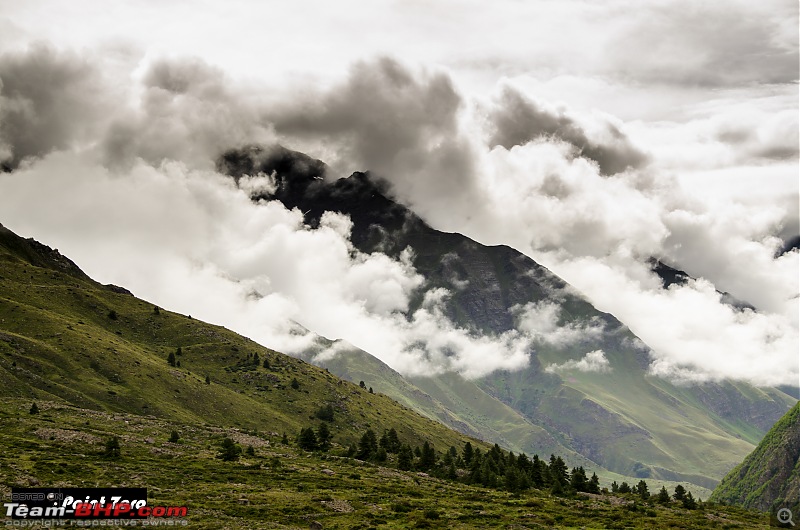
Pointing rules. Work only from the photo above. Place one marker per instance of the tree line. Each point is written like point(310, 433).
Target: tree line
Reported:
point(493, 468)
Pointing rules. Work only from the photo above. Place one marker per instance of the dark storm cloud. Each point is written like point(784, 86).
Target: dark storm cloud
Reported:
point(185, 76)
point(398, 124)
point(52, 100)
point(48, 100)
point(517, 120)
point(188, 111)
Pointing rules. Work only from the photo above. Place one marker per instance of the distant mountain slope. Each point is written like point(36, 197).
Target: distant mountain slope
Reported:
point(616, 415)
point(66, 338)
point(769, 478)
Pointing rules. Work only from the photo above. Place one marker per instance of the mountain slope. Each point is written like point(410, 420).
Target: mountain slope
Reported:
point(769, 478)
point(614, 413)
point(66, 338)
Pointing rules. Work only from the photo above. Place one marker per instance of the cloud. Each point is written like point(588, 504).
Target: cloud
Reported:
point(716, 44)
point(541, 321)
point(517, 120)
point(124, 184)
point(689, 329)
point(187, 110)
point(397, 123)
point(595, 230)
point(48, 100)
point(594, 361)
point(192, 241)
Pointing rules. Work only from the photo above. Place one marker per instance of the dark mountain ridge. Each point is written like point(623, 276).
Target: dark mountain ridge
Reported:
point(616, 415)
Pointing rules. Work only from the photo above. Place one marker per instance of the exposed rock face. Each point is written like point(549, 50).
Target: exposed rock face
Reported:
point(38, 254)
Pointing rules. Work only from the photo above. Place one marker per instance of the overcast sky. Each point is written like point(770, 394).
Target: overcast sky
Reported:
point(590, 136)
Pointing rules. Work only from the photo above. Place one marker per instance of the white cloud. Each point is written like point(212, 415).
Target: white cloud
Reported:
point(540, 321)
point(594, 361)
point(122, 138)
point(191, 241)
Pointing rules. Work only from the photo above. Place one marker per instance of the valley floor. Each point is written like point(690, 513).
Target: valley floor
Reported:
point(280, 486)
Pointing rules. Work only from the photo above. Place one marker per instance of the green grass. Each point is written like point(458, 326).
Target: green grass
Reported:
point(58, 343)
point(94, 359)
point(284, 487)
point(769, 478)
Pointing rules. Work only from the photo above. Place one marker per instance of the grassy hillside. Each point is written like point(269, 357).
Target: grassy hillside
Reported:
point(280, 486)
point(769, 478)
point(66, 338)
point(94, 361)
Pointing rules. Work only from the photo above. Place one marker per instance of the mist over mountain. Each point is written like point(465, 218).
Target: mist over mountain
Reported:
point(582, 381)
point(498, 215)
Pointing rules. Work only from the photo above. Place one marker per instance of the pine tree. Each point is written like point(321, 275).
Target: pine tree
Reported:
point(680, 493)
point(558, 470)
point(538, 472)
point(174, 437)
point(594, 484)
point(307, 439)
point(688, 501)
point(266, 363)
point(34, 409)
point(663, 496)
point(208, 380)
point(229, 450)
point(392, 442)
point(256, 360)
point(325, 413)
point(250, 451)
point(614, 487)
point(467, 453)
point(642, 490)
point(428, 458)
point(285, 439)
point(113, 449)
point(405, 458)
point(295, 383)
point(578, 480)
point(511, 480)
point(624, 488)
point(323, 437)
point(171, 359)
point(367, 446)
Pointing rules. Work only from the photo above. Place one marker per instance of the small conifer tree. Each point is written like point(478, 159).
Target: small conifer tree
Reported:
point(112, 448)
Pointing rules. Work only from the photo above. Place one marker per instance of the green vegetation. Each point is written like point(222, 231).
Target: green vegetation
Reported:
point(58, 344)
point(110, 410)
point(769, 478)
point(285, 486)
